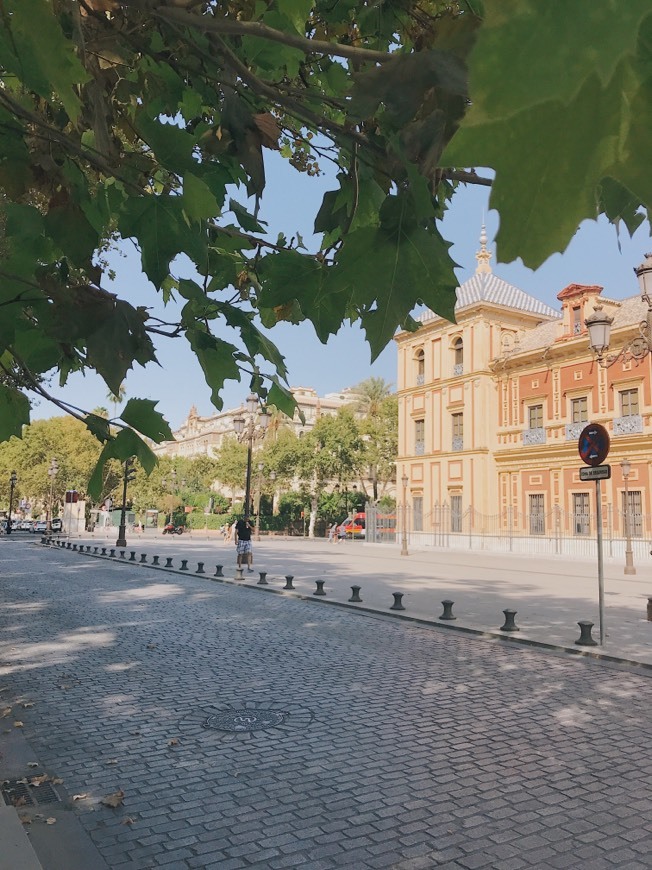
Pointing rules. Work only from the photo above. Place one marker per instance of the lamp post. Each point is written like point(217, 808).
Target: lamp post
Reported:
point(258, 486)
point(247, 429)
point(626, 467)
point(404, 546)
point(12, 483)
point(53, 470)
point(272, 477)
point(129, 474)
point(599, 325)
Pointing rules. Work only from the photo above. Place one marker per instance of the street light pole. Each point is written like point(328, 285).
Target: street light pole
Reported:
point(129, 474)
point(258, 486)
point(626, 467)
point(404, 546)
point(12, 484)
point(249, 429)
point(53, 470)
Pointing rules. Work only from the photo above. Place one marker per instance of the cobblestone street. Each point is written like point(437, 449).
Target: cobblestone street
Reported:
point(365, 742)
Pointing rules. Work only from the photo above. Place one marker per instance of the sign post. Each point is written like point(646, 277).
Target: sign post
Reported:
point(593, 447)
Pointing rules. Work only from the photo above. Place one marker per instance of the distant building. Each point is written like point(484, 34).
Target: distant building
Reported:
point(203, 436)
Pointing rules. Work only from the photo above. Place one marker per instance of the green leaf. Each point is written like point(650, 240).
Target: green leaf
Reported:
point(619, 204)
point(14, 413)
point(119, 341)
point(98, 426)
point(125, 445)
point(68, 227)
point(282, 398)
point(140, 415)
point(172, 146)
point(246, 220)
point(532, 53)
point(198, 200)
point(45, 59)
point(217, 359)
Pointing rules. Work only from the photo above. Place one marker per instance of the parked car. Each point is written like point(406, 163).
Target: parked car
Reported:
point(40, 526)
point(358, 527)
point(57, 525)
point(25, 525)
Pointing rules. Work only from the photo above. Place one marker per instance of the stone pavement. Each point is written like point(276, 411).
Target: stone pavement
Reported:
point(365, 741)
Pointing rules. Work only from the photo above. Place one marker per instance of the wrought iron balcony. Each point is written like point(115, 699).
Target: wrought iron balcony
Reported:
point(534, 436)
point(419, 448)
point(420, 380)
point(458, 369)
point(458, 443)
point(630, 425)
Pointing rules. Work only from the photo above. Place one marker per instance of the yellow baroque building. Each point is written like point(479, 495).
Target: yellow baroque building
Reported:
point(490, 412)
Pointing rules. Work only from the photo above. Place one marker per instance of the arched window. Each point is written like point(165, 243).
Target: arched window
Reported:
point(420, 359)
point(458, 356)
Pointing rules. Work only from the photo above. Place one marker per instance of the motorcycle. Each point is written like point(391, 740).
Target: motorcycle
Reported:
point(171, 529)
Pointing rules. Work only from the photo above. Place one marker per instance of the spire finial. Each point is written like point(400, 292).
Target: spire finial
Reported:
point(483, 255)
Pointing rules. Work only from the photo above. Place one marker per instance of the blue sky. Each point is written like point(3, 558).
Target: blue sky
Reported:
point(596, 255)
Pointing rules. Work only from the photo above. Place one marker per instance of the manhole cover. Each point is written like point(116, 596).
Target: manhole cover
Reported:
point(18, 793)
point(245, 720)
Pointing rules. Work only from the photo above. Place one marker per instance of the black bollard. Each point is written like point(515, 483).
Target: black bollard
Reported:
point(154, 560)
point(112, 554)
point(239, 573)
point(132, 555)
point(74, 546)
point(103, 553)
point(509, 625)
point(649, 609)
point(95, 549)
point(122, 554)
point(68, 545)
point(448, 609)
point(263, 578)
point(398, 601)
point(355, 594)
point(88, 548)
point(200, 568)
point(184, 565)
point(143, 558)
point(320, 587)
point(218, 571)
point(288, 581)
point(168, 561)
point(585, 638)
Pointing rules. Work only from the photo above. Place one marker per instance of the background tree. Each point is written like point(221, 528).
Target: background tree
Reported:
point(146, 122)
point(380, 438)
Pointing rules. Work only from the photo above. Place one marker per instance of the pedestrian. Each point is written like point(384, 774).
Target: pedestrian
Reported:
point(228, 533)
point(332, 532)
point(243, 543)
point(341, 532)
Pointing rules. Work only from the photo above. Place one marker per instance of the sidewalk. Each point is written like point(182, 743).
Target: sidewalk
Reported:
point(550, 594)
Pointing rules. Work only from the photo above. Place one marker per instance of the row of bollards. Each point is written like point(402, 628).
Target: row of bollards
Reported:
point(509, 625)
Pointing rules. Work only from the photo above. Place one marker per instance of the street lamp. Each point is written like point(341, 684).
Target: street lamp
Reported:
point(258, 487)
point(626, 467)
point(53, 470)
point(599, 325)
point(129, 474)
point(272, 477)
point(248, 429)
point(12, 484)
point(404, 546)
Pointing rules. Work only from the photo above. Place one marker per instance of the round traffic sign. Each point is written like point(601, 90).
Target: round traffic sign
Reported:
point(593, 444)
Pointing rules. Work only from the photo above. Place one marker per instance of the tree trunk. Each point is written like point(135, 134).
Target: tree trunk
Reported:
point(314, 501)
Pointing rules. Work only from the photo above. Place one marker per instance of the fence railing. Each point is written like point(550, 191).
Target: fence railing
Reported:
point(554, 532)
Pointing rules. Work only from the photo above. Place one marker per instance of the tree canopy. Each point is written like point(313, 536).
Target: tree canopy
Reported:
point(146, 121)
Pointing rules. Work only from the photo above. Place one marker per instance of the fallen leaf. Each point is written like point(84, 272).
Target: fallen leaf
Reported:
point(113, 800)
point(25, 819)
point(19, 801)
point(112, 761)
point(173, 742)
point(38, 780)
point(32, 763)
point(27, 705)
point(128, 821)
point(6, 712)
point(63, 686)
point(57, 781)
point(136, 733)
point(80, 797)
point(18, 724)
point(51, 821)
point(151, 646)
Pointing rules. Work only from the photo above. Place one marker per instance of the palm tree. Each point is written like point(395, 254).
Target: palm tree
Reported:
point(101, 411)
point(117, 398)
point(368, 396)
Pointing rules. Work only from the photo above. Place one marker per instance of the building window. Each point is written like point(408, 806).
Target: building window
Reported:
point(577, 321)
point(456, 513)
point(458, 356)
point(420, 359)
point(628, 403)
point(458, 431)
point(419, 436)
point(535, 417)
point(537, 515)
point(634, 504)
point(417, 513)
point(581, 515)
point(579, 410)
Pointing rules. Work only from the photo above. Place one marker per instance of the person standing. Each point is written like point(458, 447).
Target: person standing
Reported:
point(243, 543)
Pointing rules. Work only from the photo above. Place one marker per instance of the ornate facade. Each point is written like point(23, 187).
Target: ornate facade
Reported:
point(490, 410)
